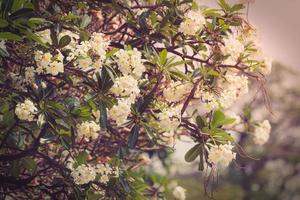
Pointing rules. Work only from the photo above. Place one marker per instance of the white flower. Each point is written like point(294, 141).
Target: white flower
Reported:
point(96, 114)
point(83, 174)
point(104, 170)
point(120, 112)
point(267, 66)
point(48, 64)
point(193, 22)
point(89, 54)
point(2, 45)
point(125, 86)
point(87, 130)
point(41, 120)
point(169, 119)
point(45, 36)
point(209, 100)
point(262, 132)
point(130, 62)
point(234, 87)
point(179, 193)
point(29, 74)
point(177, 91)
point(26, 110)
point(232, 47)
point(221, 155)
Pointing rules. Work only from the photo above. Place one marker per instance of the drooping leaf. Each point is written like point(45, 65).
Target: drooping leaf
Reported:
point(193, 153)
point(64, 41)
point(133, 136)
point(10, 36)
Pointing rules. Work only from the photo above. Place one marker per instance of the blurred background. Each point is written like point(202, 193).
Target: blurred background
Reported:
point(271, 172)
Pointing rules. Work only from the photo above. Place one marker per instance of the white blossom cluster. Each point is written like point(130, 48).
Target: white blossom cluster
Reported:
point(169, 119)
point(177, 91)
point(86, 173)
point(48, 63)
point(120, 112)
point(192, 23)
point(179, 193)
point(126, 86)
point(233, 48)
point(221, 155)
point(232, 87)
point(26, 110)
point(83, 174)
point(88, 130)
point(130, 62)
point(89, 54)
point(261, 132)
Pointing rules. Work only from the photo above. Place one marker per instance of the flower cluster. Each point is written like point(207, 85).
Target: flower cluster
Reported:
point(120, 112)
point(233, 48)
point(86, 173)
point(176, 91)
point(130, 62)
point(49, 64)
point(89, 54)
point(88, 130)
point(193, 22)
point(83, 174)
point(26, 110)
point(221, 155)
point(261, 132)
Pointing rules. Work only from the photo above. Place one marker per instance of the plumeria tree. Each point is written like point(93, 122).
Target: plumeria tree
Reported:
point(90, 88)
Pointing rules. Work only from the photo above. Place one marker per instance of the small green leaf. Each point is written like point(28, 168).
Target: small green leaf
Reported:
point(29, 163)
point(64, 41)
point(200, 121)
point(133, 136)
point(86, 20)
point(10, 36)
point(163, 57)
point(3, 23)
point(193, 153)
point(217, 118)
point(111, 52)
point(103, 114)
point(81, 158)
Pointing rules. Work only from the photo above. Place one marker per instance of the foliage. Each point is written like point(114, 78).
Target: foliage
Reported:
point(88, 88)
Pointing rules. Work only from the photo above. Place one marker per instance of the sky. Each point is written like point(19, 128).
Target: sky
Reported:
point(278, 24)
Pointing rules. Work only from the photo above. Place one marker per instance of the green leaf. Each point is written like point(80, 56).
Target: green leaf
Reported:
point(64, 41)
point(224, 5)
point(237, 7)
point(133, 136)
point(8, 118)
point(217, 118)
point(201, 162)
point(35, 38)
point(111, 52)
point(193, 153)
point(214, 73)
point(6, 6)
point(86, 20)
point(24, 13)
point(103, 114)
point(163, 57)
point(179, 63)
point(200, 121)
point(10, 36)
point(125, 184)
point(29, 163)
point(81, 158)
point(3, 23)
